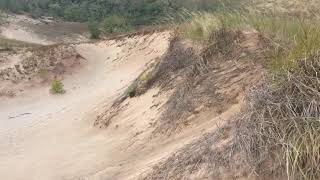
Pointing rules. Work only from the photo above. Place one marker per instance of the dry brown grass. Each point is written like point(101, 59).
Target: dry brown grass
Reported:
point(233, 60)
point(215, 77)
point(212, 156)
point(280, 123)
point(198, 77)
point(279, 129)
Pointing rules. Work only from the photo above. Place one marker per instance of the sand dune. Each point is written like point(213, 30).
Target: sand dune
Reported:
point(52, 137)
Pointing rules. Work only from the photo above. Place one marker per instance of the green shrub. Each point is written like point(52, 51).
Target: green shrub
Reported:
point(55, 10)
point(114, 24)
point(57, 87)
point(131, 91)
point(94, 29)
point(75, 12)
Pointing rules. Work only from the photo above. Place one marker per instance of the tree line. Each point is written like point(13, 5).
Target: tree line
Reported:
point(114, 15)
point(139, 12)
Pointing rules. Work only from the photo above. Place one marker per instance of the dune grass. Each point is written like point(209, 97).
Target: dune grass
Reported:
point(281, 123)
point(291, 37)
point(57, 87)
point(281, 119)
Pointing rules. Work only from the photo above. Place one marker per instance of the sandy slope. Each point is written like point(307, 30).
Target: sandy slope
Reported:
point(51, 137)
point(43, 136)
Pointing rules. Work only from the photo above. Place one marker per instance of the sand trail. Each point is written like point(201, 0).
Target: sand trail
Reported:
point(51, 137)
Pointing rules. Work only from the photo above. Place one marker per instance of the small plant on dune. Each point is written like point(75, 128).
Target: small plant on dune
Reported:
point(57, 87)
point(131, 91)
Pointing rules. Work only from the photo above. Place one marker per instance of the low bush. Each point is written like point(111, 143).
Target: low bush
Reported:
point(115, 24)
point(94, 29)
point(57, 87)
point(131, 91)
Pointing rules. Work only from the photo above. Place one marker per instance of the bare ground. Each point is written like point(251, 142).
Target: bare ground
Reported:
point(43, 136)
point(51, 137)
point(196, 120)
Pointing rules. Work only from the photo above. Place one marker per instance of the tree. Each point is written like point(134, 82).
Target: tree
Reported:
point(75, 12)
point(55, 10)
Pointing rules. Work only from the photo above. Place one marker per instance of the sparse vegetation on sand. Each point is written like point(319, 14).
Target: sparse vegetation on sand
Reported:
point(57, 87)
point(10, 44)
point(131, 91)
point(215, 61)
point(278, 130)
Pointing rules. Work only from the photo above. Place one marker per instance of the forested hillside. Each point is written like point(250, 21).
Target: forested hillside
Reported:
point(138, 12)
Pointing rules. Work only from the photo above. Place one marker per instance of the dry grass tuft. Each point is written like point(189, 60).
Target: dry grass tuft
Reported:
point(281, 123)
point(212, 156)
point(203, 79)
point(199, 26)
point(279, 129)
point(198, 78)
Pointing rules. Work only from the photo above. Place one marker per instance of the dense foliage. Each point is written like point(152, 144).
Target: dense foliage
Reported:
point(93, 27)
point(137, 12)
point(111, 16)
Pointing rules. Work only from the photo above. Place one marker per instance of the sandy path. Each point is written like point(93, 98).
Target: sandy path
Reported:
point(51, 137)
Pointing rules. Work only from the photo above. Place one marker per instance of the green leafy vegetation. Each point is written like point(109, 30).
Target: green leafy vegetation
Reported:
point(199, 27)
point(57, 87)
point(139, 12)
point(115, 24)
point(94, 29)
point(131, 91)
point(116, 16)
